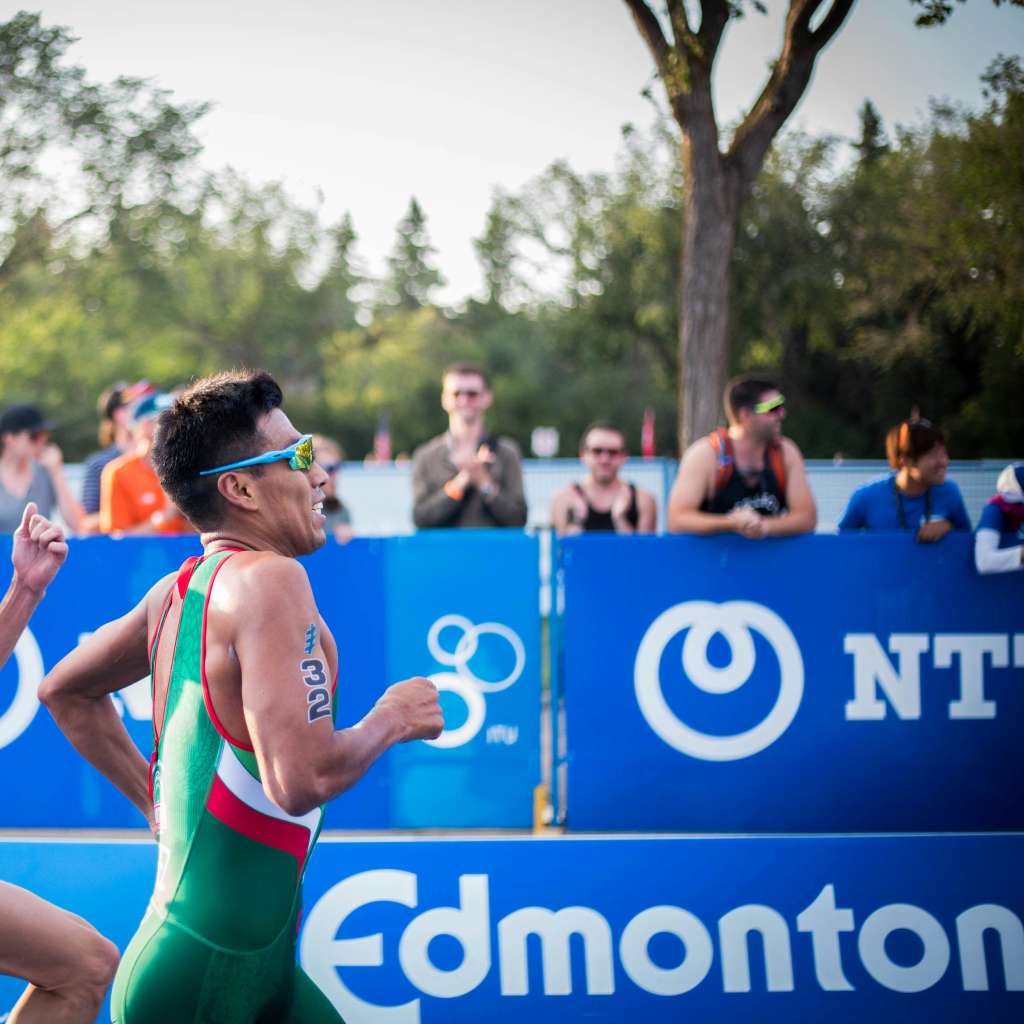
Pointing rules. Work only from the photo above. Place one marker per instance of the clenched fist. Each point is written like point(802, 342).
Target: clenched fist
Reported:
point(415, 703)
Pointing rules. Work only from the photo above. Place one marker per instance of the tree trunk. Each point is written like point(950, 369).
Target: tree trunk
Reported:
point(709, 231)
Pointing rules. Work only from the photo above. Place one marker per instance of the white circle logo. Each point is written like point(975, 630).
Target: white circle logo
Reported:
point(733, 620)
point(18, 717)
point(463, 681)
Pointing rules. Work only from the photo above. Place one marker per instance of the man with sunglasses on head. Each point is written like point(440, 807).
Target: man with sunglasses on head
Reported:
point(603, 502)
point(745, 478)
point(465, 476)
point(245, 755)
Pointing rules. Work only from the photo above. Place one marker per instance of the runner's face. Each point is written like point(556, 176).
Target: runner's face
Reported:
point(292, 498)
point(604, 452)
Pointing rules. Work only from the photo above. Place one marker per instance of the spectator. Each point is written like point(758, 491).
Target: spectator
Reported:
point(747, 478)
point(467, 477)
point(997, 541)
point(114, 408)
point(331, 458)
point(131, 499)
point(916, 495)
point(603, 502)
point(32, 469)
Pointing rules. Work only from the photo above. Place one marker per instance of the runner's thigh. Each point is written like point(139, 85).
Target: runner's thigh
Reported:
point(40, 942)
point(310, 1005)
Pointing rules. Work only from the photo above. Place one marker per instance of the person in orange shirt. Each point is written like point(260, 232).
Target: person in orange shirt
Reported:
point(131, 499)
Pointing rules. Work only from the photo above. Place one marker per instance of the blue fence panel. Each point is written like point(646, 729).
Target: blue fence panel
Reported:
point(847, 683)
point(769, 929)
point(465, 603)
point(462, 606)
point(348, 583)
point(48, 782)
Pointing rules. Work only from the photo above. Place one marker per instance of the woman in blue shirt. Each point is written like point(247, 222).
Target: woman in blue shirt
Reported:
point(916, 496)
point(997, 541)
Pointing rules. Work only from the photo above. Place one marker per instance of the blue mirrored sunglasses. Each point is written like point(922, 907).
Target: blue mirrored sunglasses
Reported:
point(299, 456)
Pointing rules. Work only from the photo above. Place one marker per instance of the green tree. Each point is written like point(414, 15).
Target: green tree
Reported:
point(719, 182)
point(116, 144)
point(412, 276)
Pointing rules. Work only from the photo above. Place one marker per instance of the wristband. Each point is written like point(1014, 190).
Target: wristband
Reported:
point(453, 490)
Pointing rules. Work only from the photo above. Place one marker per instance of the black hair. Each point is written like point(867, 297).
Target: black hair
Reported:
point(213, 422)
point(911, 439)
point(744, 393)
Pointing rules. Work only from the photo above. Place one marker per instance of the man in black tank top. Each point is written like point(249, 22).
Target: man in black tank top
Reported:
point(603, 502)
point(747, 478)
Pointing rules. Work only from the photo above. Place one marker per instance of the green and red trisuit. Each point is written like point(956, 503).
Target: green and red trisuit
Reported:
point(217, 943)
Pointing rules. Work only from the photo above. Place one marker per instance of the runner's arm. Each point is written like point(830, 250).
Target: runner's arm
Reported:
point(77, 694)
point(286, 695)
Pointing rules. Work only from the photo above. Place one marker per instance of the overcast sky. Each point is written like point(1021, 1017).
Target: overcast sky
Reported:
point(373, 102)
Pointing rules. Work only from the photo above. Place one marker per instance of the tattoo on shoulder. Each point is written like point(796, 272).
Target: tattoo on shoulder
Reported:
point(310, 638)
point(318, 696)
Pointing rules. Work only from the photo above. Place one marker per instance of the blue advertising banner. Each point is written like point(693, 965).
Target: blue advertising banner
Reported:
point(823, 683)
point(465, 603)
point(660, 929)
point(48, 784)
point(460, 606)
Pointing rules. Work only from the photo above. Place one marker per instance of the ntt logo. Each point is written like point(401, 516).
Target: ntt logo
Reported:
point(733, 620)
point(737, 937)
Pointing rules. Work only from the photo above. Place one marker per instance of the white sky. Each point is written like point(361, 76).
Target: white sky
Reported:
point(373, 102)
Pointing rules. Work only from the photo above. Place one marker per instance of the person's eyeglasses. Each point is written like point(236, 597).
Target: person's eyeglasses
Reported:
point(771, 404)
point(39, 435)
point(299, 455)
point(330, 468)
point(466, 393)
point(605, 451)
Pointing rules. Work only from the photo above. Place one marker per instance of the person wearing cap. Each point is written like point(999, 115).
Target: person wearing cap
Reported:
point(115, 437)
point(32, 469)
point(916, 495)
point(131, 498)
point(998, 540)
point(746, 478)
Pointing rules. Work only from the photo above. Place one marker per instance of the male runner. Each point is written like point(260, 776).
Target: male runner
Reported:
point(67, 963)
point(246, 753)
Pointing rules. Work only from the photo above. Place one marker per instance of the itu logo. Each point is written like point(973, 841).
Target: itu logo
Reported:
point(733, 620)
point(464, 682)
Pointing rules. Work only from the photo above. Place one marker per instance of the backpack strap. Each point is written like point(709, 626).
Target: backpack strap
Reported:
point(778, 464)
point(721, 444)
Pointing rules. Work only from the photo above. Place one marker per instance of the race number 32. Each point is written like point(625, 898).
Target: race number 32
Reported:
point(318, 697)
